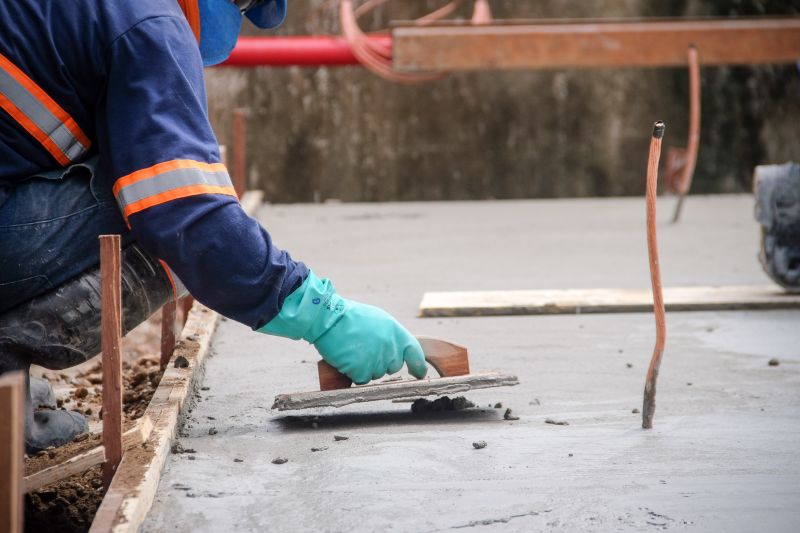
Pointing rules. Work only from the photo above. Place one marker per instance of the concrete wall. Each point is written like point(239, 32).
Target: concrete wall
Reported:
point(344, 133)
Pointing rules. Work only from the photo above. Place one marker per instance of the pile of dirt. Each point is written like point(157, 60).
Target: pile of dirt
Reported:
point(70, 505)
point(67, 506)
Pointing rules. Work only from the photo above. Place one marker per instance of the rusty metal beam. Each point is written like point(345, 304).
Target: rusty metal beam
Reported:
point(660, 43)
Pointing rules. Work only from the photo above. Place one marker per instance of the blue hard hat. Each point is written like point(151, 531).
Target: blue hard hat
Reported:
point(269, 14)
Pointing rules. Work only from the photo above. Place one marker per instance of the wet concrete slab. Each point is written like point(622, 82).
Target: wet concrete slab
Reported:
point(722, 455)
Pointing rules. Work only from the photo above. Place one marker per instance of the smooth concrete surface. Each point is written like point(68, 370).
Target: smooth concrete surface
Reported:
point(723, 455)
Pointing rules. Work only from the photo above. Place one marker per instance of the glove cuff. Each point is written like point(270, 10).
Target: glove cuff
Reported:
point(308, 312)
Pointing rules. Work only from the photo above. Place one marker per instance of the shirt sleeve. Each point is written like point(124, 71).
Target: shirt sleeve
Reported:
point(162, 159)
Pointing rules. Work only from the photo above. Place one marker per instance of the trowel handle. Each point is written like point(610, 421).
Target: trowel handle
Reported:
point(447, 358)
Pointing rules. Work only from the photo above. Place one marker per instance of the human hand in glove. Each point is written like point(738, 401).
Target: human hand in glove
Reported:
point(361, 341)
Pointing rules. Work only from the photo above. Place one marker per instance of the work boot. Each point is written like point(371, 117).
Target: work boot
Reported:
point(50, 427)
point(777, 191)
point(47, 427)
point(53, 428)
point(41, 393)
point(61, 328)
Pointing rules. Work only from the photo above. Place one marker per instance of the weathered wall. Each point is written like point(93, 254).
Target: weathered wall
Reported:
point(344, 133)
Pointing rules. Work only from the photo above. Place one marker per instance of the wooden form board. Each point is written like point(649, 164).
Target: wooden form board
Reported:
point(578, 301)
point(584, 44)
point(133, 489)
point(12, 442)
point(409, 388)
point(83, 462)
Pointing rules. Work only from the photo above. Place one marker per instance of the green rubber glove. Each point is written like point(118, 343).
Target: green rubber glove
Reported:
point(360, 341)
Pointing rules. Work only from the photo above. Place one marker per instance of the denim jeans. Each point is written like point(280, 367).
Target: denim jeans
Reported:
point(49, 228)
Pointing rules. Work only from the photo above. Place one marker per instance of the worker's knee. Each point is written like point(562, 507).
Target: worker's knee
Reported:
point(62, 327)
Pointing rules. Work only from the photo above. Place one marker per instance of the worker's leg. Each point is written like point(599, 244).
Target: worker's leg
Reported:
point(50, 283)
point(777, 190)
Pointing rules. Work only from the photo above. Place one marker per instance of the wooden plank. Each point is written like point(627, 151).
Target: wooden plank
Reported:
point(111, 323)
point(12, 450)
point(80, 463)
point(131, 494)
point(577, 301)
point(412, 388)
point(660, 43)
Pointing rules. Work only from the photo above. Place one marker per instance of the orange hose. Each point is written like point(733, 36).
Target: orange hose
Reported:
point(693, 143)
point(649, 405)
point(374, 59)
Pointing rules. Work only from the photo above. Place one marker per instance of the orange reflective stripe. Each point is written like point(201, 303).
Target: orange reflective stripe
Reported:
point(192, 13)
point(34, 130)
point(174, 194)
point(40, 115)
point(45, 99)
point(169, 181)
point(169, 276)
point(166, 166)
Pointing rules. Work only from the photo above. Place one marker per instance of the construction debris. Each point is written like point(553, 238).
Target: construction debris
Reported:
point(445, 403)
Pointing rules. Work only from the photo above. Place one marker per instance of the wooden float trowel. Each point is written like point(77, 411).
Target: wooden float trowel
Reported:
point(451, 361)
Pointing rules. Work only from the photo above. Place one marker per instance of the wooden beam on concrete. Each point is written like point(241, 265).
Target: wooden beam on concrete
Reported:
point(131, 494)
point(83, 462)
point(12, 450)
point(578, 301)
point(571, 44)
point(111, 323)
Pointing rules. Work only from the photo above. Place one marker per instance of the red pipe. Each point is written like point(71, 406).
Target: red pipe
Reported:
point(304, 51)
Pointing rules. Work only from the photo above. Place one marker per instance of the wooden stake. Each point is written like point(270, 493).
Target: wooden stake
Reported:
point(111, 306)
point(649, 404)
point(12, 442)
point(240, 150)
point(168, 319)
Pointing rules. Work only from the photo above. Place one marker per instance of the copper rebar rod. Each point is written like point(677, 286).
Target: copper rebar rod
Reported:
point(693, 143)
point(111, 325)
point(649, 406)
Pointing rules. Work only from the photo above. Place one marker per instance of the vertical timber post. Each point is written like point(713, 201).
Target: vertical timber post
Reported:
point(240, 150)
point(12, 443)
point(111, 323)
point(169, 315)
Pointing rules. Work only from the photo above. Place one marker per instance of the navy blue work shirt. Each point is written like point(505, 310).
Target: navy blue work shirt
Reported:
point(130, 76)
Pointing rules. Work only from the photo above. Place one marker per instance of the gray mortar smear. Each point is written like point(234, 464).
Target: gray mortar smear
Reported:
point(393, 390)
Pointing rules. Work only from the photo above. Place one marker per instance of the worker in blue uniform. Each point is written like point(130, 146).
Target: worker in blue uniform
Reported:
point(104, 129)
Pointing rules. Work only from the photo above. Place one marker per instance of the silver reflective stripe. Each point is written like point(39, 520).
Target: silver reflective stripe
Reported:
point(167, 181)
point(41, 116)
